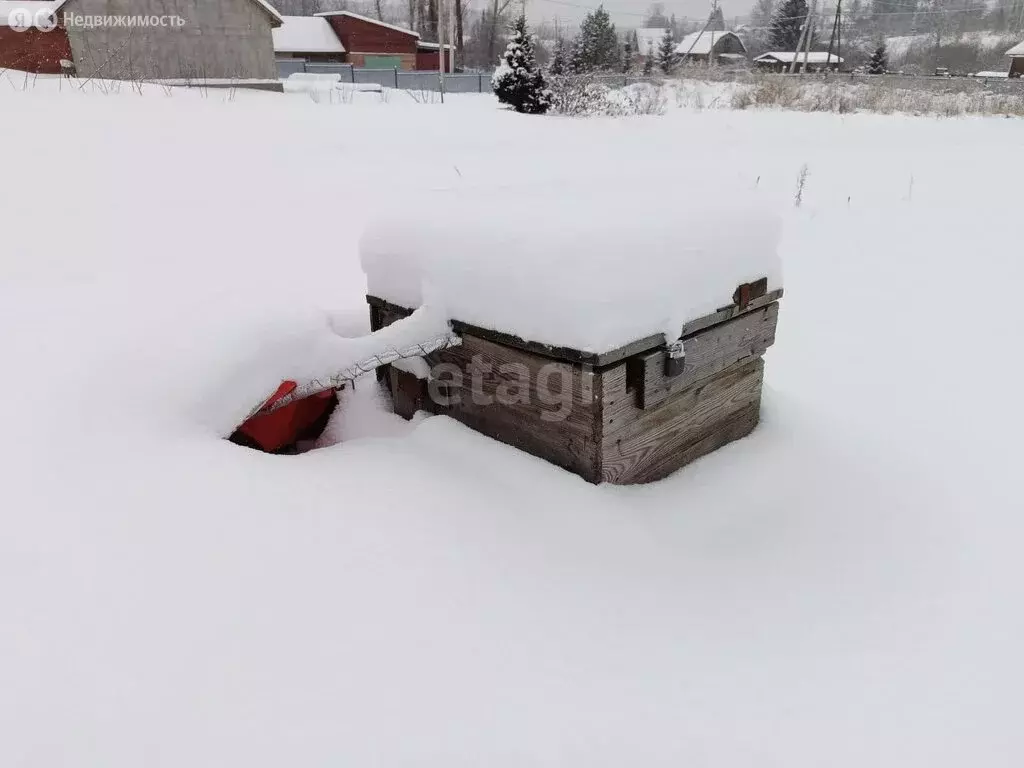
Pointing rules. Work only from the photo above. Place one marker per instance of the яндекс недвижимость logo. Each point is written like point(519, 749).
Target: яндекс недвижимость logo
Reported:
point(22, 19)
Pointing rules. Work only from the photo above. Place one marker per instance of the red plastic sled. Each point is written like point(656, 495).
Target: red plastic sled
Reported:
point(281, 431)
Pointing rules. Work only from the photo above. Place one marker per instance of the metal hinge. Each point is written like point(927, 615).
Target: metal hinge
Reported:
point(747, 292)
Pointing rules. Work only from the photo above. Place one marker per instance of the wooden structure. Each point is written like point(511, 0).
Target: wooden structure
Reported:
point(373, 44)
point(343, 37)
point(27, 48)
point(718, 47)
point(310, 38)
point(428, 57)
point(630, 415)
point(1016, 55)
point(780, 61)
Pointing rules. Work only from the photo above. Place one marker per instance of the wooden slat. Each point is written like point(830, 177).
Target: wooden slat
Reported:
point(648, 445)
point(408, 394)
point(571, 355)
point(707, 353)
point(727, 313)
point(532, 425)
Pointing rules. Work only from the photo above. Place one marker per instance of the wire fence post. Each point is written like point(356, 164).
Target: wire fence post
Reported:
point(396, 78)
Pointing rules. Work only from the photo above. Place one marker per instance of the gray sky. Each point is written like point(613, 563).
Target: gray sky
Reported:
point(630, 13)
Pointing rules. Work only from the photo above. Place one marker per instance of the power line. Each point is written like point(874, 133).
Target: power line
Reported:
point(940, 11)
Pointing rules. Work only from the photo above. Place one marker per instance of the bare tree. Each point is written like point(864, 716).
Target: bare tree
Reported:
point(459, 39)
point(497, 14)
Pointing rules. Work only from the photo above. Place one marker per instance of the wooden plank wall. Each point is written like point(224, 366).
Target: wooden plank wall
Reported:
point(707, 353)
point(624, 423)
point(551, 413)
point(641, 445)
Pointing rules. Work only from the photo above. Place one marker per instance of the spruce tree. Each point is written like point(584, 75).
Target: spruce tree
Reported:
point(518, 80)
point(599, 45)
point(716, 21)
point(627, 56)
point(558, 63)
point(784, 31)
point(879, 63)
point(649, 64)
point(573, 57)
point(667, 52)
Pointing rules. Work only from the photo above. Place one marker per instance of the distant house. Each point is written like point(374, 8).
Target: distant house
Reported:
point(310, 38)
point(27, 48)
point(1016, 55)
point(714, 47)
point(780, 61)
point(648, 40)
point(229, 39)
point(375, 44)
point(192, 39)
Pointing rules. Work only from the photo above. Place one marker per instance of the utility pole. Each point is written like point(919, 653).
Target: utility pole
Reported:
point(697, 40)
point(800, 42)
point(839, 35)
point(832, 37)
point(809, 36)
point(441, 23)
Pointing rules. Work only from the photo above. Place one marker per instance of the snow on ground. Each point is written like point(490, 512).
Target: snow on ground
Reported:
point(841, 588)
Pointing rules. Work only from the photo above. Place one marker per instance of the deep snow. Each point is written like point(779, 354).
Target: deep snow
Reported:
point(842, 588)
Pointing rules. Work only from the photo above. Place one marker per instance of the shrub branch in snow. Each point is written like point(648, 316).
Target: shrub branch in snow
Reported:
point(518, 80)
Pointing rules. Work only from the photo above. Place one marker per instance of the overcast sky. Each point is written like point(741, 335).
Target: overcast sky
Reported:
point(630, 13)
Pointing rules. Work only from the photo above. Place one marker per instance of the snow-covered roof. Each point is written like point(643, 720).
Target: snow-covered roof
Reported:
point(1017, 50)
point(34, 6)
point(368, 20)
point(648, 39)
point(268, 8)
point(813, 57)
point(306, 34)
point(701, 43)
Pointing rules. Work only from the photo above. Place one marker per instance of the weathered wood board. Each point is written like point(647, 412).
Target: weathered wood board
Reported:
point(641, 445)
point(707, 353)
point(627, 421)
point(545, 408)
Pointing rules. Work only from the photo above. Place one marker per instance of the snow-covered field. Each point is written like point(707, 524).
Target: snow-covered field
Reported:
point(842, 588)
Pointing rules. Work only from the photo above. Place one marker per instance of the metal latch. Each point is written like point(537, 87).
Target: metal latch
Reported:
point(676, 359)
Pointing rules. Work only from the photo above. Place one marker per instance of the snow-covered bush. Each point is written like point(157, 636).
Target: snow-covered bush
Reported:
point(874, 95)
point(642, 99)
point(518, 80)
point(583, 96)
point(578, 96)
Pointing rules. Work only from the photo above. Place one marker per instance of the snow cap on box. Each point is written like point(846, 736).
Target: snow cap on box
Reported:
point(573, 267)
